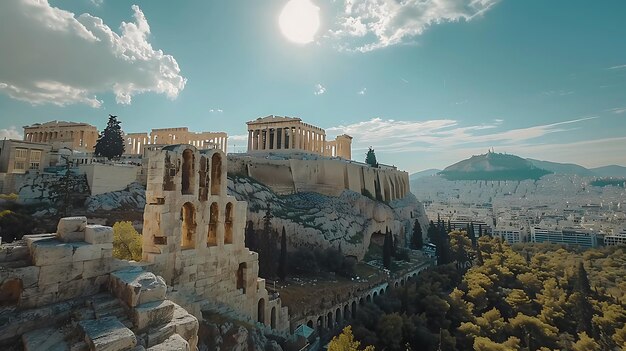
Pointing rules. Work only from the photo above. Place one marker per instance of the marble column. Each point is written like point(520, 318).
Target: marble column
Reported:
point(250, 140)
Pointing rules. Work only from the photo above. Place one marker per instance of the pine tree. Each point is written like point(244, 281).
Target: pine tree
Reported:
point(387, 249)
point(282, 262)
point(443, 246)
point(110, 143)
point(370, 158)
point(417, 239)
point(432, 233)
point(471, 234)
point(449, 226)
point(265, 246)
point(249, 238)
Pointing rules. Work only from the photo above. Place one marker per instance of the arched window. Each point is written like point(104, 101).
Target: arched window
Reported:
point(216, 173)
point(261, 311)
point(241, 277)
point(346, 312)
point(203, 179)
point(188, 230)
point(353, 309)
point(228, 224)
point(273, 318)
point(329, 321)
point(338, 316)
point(214, 213)
point(309, 324)
point(188, 172)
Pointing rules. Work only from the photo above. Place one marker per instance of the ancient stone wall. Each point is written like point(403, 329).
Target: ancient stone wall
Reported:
point(193, 235)
point(322, 175)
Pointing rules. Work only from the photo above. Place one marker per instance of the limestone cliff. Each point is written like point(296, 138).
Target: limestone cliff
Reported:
point(315, 220)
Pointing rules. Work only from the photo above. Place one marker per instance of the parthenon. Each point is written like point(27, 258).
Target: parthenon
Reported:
point(170, 136)
point(274, 133)
point(78, 136)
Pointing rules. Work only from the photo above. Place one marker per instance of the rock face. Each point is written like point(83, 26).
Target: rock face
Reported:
point(315, 220)
point(133, 198)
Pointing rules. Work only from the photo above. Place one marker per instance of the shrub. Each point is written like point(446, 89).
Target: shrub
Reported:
point(126, 241)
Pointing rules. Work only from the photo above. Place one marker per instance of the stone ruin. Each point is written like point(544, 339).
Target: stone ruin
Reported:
point(65, 291)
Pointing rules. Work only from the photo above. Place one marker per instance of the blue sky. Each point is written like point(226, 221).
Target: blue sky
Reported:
point(426, 83)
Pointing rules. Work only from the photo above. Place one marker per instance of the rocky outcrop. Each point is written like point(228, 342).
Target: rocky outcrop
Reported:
point(132, 198)
point(315, 220)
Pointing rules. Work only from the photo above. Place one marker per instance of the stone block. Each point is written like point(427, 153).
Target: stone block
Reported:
point(153, 314)
point(174, 342)
point(134, 286)
point(49, 251)
point(44, 339)
point(85, 251)
point(10, 253)
point(40, 290)
point(70, 237)
point(32, 238)
point(185, 324)
point(98, 234)
point(94, 268)
point(107, 334)
point(71, 224)
point(29, 275)
point(160, 334)
point(58, 273)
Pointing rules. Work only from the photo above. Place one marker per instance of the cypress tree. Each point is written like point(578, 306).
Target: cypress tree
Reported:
point(449, 226)
point(432, 233)
point(471, 234)
point(249, 238)
point(370, 158)
point(387, 249)
point(282, 262)
point(110, 143)
point(417, 239)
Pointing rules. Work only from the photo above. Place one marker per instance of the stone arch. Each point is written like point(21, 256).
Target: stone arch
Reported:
point(216, 173)
point(368, 298)
point(375, 294)
point(273, 318)
point(228, 224)
point(241, 276)
point(310, 323)
point(346, 312)
point(261, 311)
point(338, 315)
point(395, 285)
point(402, 282)
point(329, 320)
point(214, 213)
point(361, 301)
point(353, 309)
point(188, 229)
point(188, 173)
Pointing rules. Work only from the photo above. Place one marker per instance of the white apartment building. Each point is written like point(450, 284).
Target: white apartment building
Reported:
point(568, 236)
point(617, 238)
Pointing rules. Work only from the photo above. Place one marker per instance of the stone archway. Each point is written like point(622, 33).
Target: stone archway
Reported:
point(329, 321)
point(261, 311)
point(188, 229)
point(214, 213)
point(228, 224)
point(273, 318)
point(216, 173)
point(188, 173)
point(353, 309)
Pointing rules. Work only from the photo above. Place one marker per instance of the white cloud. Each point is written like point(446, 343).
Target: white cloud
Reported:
point(319, 89)
point(557, 92)
point(216, 110)
point(380, 23)
point(97, 3)
point(618, 67)
point(440, 134)
point(362, 91)
point(618, 110)
point(10, 133)
point(59, 58)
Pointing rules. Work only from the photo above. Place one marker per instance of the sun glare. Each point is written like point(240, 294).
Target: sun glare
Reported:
point(299, 21)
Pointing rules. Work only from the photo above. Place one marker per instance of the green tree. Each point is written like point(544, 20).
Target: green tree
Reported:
point(282, 261)
point(387, 249)
point(346, 342)
point(126, 241)
point(585, 343)
point(370, 158)
point(249, 238)
point(417, 240)
point(110, 143)
point(389, 330)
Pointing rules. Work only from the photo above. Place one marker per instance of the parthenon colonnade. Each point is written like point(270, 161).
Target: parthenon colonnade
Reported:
point(273, 133)
point(77, 136)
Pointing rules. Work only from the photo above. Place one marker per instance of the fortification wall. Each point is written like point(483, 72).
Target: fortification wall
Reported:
point(322, 175)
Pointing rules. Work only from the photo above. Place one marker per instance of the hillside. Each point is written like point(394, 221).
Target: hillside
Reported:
point(424, 173)
point(610, 171)
point(493, 166)
point(562, 168)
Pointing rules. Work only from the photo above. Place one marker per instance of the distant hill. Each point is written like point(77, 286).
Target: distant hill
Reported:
point(424, 173)
point(493, 166)
point(562, 168)
point(610, 171)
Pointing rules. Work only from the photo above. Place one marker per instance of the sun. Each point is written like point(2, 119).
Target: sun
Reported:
point(299, 21)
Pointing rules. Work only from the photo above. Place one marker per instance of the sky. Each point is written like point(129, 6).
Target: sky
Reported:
point(426, 83)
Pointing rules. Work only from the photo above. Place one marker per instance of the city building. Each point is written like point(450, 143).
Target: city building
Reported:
point(510, 234)
point(617, 238)
point(135, 142)
point(19, 157)
point(60, 134)
point(568, 236)
point(274, 133)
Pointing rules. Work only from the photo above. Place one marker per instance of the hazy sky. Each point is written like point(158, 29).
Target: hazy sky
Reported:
point(425, 82)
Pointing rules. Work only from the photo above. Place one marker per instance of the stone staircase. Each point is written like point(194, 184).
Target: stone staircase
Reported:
point(135, 315)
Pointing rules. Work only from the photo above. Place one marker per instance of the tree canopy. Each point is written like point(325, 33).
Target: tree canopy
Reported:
point(370, 158)
point(110, 143)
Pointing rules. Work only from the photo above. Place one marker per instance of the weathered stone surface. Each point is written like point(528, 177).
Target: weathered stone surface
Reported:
point(13, 252)
point(85, 251)
point(16, 324)
point(47, 251)
point(47, 339)
point(71, 224)
point(98, 234)
point(174, 342)
point(63, 272)
point(135, 286)
point(69, 237)
point(153, 313)
point(107, 334)
point(94, 268)
point(32, 238)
